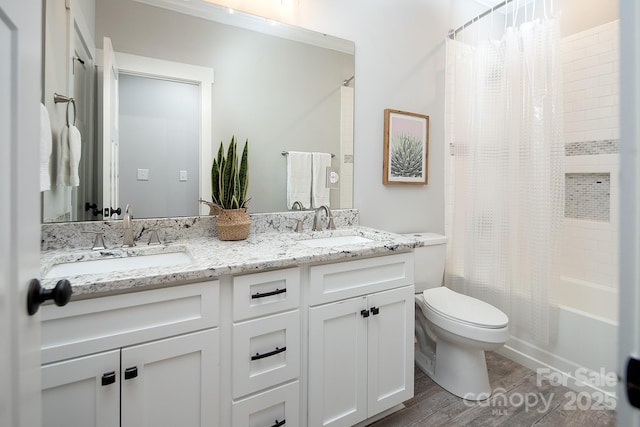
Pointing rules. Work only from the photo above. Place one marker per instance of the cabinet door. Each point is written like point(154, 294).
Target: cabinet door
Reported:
point(390, 342)
point(338, 363)
point(82, 392)
point(171, 382)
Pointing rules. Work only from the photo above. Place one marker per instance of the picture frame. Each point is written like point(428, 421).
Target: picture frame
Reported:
point(406, 148)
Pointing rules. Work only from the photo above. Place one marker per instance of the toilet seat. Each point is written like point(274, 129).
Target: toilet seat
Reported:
point(464, 309)
point(463, 328)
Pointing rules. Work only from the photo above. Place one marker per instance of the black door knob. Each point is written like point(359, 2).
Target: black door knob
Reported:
point(36, 295)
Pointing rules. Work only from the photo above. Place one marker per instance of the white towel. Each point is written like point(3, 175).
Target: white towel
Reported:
point(62, 175)
point(46, 145)
point(69, 150)
point(299, 179)
point(319, 190)
point(75, 150)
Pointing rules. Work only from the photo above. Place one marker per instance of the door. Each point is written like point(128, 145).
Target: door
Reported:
point(629, 327)
point(390, 342)
point(338, 363)
point(171, 382)
point(90, 383)
point(20, 67)
point(82, 89)
point(110, 133)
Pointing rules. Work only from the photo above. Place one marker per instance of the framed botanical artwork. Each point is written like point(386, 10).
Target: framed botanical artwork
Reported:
point(406, 148)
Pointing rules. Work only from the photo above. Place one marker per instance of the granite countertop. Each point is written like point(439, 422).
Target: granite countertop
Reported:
point(213, 258)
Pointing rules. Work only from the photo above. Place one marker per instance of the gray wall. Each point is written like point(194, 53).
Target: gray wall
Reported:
point(257, 90)
point(400, 53)
point(159, 132)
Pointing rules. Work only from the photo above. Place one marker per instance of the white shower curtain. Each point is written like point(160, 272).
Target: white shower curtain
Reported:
point(506, 179)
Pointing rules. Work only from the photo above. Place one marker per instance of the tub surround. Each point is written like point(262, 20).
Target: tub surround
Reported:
point(270, 245)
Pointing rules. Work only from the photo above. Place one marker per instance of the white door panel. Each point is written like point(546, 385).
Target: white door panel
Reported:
point(20, 65)
point(629, 326)
point(110, 133)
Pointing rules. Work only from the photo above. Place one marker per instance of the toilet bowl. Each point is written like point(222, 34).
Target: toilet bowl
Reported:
point(452, 330)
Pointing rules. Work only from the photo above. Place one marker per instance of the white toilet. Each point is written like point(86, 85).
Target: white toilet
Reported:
point(452, 330)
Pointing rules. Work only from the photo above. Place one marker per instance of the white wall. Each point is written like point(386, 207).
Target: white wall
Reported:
point(581, 15)
point(399, 65)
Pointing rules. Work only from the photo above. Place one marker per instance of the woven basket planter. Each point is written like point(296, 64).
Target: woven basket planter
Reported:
point(233, 224)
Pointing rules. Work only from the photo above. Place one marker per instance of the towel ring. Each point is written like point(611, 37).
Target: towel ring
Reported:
point(71, 102)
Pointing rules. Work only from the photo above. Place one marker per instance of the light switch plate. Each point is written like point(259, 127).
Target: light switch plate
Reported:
point(143, 174)
point(183, 175)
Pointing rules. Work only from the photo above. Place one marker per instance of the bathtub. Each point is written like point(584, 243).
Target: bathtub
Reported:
point(584, 343)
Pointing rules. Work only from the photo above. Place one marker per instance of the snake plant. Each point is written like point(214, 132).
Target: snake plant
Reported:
point(230, 180)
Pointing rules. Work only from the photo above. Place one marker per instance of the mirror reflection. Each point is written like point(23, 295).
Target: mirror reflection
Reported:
point(154, 101)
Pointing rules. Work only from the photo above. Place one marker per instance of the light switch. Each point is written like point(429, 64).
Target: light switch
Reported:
point(183, 175)
point(143, 174)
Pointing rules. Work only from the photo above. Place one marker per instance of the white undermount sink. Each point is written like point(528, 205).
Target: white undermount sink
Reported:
point(329, 242)
point(106, 265)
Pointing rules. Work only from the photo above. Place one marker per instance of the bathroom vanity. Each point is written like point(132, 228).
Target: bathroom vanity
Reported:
point(305, 329)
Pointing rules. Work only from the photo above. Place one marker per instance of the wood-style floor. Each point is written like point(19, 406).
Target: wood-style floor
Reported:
point(513, 385)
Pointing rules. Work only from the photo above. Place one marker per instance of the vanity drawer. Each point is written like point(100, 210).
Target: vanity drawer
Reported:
point(279, 405)
point(266, 352)
point(265, 293)
point(333, 282)
point(104, 323)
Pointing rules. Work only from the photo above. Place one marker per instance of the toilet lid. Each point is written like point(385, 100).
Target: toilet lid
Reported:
point(464, 308)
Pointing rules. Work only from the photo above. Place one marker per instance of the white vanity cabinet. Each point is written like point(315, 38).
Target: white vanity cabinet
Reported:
point(266, 349)
point(312, 345)
point(145, 358)
point(360, 351)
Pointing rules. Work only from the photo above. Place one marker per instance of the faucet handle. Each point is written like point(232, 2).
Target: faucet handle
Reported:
point(98, 241)
point(331, 225)
point(154, 237)
point(299, 227)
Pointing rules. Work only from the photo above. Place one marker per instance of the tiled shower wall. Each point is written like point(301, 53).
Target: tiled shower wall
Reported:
point(589, 259)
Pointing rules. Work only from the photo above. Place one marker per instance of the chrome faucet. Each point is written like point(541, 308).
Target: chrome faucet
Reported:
point(127, 224)
point(297, 206)
point(316, 223)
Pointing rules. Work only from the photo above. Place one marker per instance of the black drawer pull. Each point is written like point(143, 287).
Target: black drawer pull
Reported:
point(130, 373)
point(108, 378)
point(364, 313)
point(271, 353)
point(279, 423)
point(268, 294)
point(375, 310)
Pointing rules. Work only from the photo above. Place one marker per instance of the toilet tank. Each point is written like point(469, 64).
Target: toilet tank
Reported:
point(429, 260)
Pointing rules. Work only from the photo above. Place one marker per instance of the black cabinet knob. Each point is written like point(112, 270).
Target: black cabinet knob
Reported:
point(364, 313)
point(36, 295)
point(375, 310)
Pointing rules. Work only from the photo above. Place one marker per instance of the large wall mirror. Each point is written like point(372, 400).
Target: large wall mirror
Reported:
point(158, 84)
